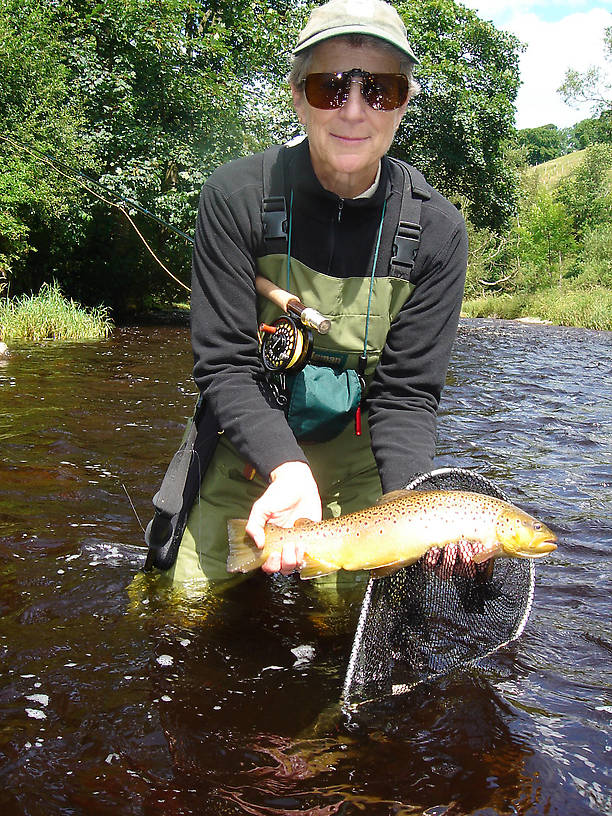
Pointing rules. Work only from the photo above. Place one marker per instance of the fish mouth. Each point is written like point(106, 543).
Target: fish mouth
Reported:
point(540, 549)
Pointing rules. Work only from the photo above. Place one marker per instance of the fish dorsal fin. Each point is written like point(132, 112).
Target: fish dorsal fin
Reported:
point(394, 495)
point(304, 522)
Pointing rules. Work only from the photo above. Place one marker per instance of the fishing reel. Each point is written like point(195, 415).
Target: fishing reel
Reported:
point(286, 345)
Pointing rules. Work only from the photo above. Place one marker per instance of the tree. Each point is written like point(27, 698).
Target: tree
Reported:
point(542, 143)
point(457, 131)
point(166, 92)
point(545, 238)
point(37, 107)
point(597, 130)
point(591, 86)
point(587, 192)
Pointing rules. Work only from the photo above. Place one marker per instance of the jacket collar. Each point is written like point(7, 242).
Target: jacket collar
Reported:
point(307, 187)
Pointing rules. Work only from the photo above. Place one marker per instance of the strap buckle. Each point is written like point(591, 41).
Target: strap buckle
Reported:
point(274, 218)
point(405, 246)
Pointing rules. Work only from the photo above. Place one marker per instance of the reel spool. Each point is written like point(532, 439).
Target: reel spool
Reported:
point(286, 345)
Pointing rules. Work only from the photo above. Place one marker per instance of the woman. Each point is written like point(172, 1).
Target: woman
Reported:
point(351, 82)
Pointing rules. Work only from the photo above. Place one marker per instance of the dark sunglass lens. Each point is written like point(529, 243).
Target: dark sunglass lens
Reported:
point(326, 91)
point(385, 91)
point(382, 92)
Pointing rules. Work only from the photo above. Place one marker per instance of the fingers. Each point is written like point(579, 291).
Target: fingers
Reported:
point(286, 561)
point(292, 494)
point(432, 557)
point(454, 559)
point(258, 517)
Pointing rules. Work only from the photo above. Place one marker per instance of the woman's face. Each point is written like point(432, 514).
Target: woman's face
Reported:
point(346, 143)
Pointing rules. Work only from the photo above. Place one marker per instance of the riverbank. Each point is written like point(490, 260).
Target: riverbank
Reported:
point(578, 308)
point(51, 316)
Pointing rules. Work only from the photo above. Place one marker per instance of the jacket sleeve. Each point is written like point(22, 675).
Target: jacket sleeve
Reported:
point(405, 392)
point(227, 368)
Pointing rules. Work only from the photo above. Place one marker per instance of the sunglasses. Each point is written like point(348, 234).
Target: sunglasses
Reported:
point(383, 92)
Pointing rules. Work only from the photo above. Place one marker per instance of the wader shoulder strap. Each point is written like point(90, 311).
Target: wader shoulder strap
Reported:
point(408, 234)
point(273, 207)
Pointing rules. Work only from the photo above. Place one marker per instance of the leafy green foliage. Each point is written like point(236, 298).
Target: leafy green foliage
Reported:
point(587, 193)
point(542, 143)
point(34, 99)
point(595, 266)
point(590, 86)
point(146, 97)
point(545, 239)
point(597, 130)
point(457, 130)
point(556, 260)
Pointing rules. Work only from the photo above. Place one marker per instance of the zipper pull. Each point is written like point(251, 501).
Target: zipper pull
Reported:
point(340, 206)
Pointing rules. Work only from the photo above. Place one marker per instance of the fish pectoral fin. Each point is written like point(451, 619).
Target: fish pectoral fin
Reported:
point(393, 495)
point(316, 569)
point(389, 569)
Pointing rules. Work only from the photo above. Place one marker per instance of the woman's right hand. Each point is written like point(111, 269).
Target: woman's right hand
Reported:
point(292, 494)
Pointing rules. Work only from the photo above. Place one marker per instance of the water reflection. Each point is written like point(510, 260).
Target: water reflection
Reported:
point(120, 694)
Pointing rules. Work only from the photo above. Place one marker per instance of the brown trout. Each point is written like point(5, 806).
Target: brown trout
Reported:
point(396, 532)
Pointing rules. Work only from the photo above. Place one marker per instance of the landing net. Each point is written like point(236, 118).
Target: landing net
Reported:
point(416, 625)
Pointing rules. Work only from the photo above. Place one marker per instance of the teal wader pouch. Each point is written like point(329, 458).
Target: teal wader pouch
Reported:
point(322, 402)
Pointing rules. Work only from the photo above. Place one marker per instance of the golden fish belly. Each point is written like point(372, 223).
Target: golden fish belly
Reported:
point(404, 540)
point(394, 534)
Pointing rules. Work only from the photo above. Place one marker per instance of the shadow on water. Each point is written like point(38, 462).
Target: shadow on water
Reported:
point(121, 695)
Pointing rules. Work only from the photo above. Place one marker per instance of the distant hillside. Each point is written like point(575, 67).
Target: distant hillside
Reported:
point(551, 172)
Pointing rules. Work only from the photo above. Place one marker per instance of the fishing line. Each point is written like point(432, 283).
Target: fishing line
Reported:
point(133, 508)
point(57, 164)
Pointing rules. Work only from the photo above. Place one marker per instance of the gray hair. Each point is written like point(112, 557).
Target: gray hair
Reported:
point(300, 68)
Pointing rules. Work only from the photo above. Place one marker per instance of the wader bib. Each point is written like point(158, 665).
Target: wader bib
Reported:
point(344, 467)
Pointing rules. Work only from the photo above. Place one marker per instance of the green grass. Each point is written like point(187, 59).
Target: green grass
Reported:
point(51, 316)
point(551, 172)
point(586, 309)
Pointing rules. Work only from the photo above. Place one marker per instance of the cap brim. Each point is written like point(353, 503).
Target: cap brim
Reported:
point(366, 30)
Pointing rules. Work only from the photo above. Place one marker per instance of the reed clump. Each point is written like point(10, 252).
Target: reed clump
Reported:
point(590, 309)
point(49, 315)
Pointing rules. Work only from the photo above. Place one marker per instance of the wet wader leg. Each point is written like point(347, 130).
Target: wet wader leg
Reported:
point(348, 480)
point(344, 469)
point(225, 493)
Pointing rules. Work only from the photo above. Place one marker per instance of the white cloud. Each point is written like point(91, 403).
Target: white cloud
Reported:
point(572, 40)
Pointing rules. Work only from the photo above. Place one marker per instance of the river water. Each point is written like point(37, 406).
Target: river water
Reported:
point(121, 696)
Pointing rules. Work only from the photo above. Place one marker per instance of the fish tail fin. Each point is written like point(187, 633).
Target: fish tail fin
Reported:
point(244, 554)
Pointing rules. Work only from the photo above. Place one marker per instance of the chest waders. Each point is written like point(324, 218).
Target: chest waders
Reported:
point(352, 304)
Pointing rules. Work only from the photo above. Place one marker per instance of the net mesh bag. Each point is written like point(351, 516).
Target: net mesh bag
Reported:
point(416, 625)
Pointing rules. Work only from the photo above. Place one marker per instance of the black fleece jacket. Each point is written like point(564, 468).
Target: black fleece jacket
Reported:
point(336, 237)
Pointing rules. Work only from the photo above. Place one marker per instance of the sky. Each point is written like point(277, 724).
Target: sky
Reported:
point(557, 36)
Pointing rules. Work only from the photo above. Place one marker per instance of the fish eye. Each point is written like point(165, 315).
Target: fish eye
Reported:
point(537, 526)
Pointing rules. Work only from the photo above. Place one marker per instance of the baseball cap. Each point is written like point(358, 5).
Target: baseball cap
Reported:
point(372, 17)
